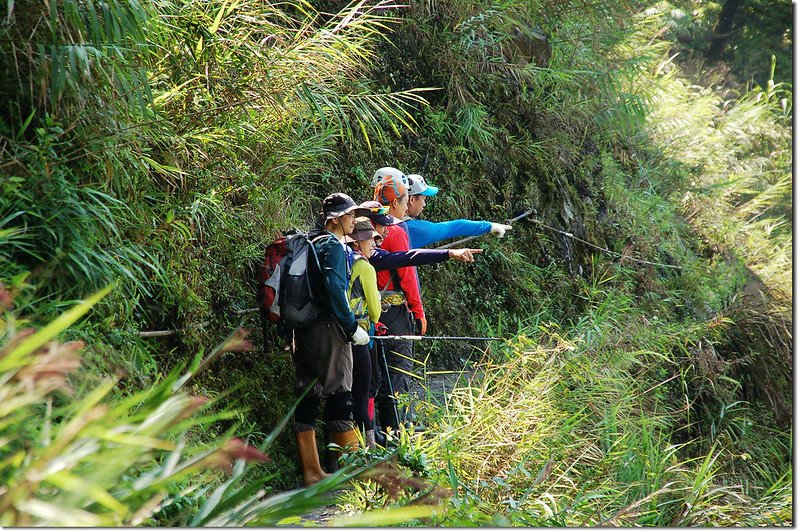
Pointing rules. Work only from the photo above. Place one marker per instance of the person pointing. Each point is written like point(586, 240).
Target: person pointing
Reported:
point(422, 233)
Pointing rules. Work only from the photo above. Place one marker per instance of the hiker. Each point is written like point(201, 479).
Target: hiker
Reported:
point(388, 182)
point(401, 300)
point(322, 353)
point(366, 305)
point(422, 233)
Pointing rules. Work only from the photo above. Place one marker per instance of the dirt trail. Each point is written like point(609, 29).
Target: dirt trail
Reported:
point(436, 385)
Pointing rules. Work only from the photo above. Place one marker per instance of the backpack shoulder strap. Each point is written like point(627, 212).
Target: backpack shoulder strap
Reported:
point(350, 258)
point(394, 278)
point(386, 286)
point(318, 238)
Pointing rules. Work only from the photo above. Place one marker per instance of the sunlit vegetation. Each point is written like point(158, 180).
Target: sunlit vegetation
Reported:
point(148, 151)
point(87, 459)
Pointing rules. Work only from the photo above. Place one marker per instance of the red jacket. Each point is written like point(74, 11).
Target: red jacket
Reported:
point(397, 240)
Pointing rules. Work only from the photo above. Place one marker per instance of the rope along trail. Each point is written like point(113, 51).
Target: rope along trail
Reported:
point(569, 235)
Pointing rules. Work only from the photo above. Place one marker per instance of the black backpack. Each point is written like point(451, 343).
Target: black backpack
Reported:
point(288, 281)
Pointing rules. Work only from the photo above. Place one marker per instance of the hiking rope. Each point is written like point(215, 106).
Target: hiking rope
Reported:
point(170, 332)
point(605, 250)
point(569, 235)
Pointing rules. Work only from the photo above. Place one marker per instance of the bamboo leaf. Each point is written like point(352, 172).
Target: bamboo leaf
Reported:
point(387, 517)
point(54, 514)
point(51, 330)
point(79, 486)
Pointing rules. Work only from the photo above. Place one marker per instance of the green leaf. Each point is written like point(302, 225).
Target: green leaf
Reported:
point(51, 330)
point(291, 520)
point(387, 517)
point(54, 514)
point(79, 486)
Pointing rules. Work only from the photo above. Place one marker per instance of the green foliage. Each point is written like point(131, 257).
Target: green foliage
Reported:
point(161, 145)
point(736, 197)
point(576, 428)
point(87, 459)
point(754, 32)
point(71, 233)
point(69, 213)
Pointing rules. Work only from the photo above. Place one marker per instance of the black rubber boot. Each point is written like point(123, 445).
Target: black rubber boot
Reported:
point(380, 437)
point(387, 409)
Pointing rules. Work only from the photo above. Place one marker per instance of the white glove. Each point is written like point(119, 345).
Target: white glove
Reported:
point(360, 337)
point(499, 229)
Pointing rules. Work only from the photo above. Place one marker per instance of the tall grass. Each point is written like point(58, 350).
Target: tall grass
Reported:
point(77, 457)
point(581, 427)
point(160, 145)
point(734, 189)
point(123, 116)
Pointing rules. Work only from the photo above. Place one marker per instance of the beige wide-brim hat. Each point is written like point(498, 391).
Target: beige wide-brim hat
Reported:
point(363, 231)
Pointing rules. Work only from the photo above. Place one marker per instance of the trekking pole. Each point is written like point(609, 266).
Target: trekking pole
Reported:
point(416, 338)
point(392, 398)
point(467, 239)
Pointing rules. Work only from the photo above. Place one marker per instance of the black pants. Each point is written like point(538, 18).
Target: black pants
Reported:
point(367, 376)
point(362, 383)
point(399, 357)
point(377, 370)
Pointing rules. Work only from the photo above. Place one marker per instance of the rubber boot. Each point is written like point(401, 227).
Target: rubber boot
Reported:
point(309, 457)
point(380, 438)
point(348, 441)
point(387, 407)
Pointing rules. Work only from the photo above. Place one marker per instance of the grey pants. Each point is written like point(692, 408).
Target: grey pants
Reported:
point(322, 352)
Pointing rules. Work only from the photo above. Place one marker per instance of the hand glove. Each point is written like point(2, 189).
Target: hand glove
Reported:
point(381, 329)
point(499, 229)
point(421, 325)
point(360, 337)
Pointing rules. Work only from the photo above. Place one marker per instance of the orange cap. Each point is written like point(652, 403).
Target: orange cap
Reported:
point(388, 189)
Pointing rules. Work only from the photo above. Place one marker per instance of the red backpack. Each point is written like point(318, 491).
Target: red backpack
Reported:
point(268, 285)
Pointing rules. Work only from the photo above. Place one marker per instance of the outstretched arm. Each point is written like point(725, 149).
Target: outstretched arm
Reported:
point(422, 232)
point(391, 260)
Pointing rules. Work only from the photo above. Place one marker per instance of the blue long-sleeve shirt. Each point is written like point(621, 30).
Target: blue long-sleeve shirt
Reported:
point(422, 232)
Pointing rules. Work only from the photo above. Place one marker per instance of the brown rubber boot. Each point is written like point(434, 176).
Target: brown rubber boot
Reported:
point(348, 441)
point(309, 457)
